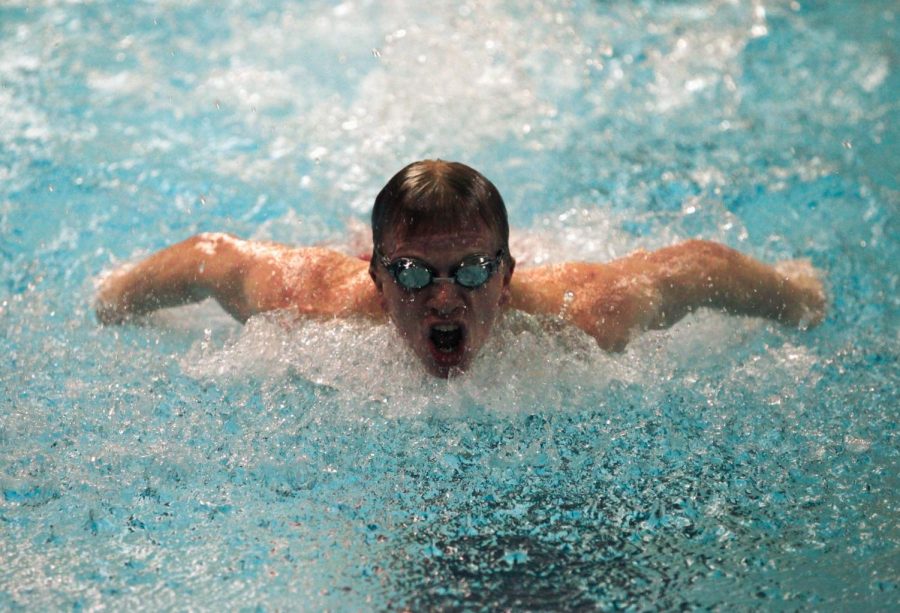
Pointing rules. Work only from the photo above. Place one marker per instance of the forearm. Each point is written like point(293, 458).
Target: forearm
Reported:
point(698, 274)
point(183, 273)
point(613, 301)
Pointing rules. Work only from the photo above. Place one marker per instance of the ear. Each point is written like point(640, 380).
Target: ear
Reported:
point(378, 285)
point(374, 275)
point(507, 278)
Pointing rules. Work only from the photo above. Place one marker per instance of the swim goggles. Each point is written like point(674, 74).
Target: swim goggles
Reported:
point(412, 274)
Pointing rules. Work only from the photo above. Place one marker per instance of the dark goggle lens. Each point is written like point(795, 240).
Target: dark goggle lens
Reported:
point(411, 275)
point(473, 275)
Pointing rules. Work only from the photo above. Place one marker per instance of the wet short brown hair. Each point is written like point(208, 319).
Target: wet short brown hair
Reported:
point(431, 194)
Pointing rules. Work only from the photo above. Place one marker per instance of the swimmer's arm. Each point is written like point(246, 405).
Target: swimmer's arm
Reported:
point(200, 267)
point(245, 277)
point(698, 273)
point(613, 301)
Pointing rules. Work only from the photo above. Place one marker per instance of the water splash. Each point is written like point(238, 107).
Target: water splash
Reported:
point(723, 462)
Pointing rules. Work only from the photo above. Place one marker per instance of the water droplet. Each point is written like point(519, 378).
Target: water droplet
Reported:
point(568, 299)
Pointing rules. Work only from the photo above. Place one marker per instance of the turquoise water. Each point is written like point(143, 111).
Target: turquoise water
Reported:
point(190, 462)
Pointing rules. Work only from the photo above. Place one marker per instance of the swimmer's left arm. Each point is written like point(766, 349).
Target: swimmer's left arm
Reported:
point(653, 290)
point(700, 273)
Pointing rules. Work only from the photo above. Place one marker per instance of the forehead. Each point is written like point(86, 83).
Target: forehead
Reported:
point(440, 244)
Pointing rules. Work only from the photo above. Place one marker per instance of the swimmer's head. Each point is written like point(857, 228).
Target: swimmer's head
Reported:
point(441, 260)
point(434, 194)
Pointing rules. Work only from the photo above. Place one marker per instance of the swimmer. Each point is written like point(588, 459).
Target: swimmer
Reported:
point(441, 272)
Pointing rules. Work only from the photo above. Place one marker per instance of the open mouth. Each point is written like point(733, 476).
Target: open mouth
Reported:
point(447, 342)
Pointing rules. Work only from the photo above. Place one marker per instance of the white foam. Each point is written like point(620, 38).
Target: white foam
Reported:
point(21, 119)
point(119, 83)
point(528, 365)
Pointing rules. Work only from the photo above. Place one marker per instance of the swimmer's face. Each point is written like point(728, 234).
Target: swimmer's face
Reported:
point(444, 323)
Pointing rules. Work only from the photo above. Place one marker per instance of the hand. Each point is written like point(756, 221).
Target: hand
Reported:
point(805, 287)
point(109, 303)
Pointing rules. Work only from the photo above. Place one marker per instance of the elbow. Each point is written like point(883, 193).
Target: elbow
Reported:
point(704, 263)
point(706, 251)
point(692, 274)
point(210, 243)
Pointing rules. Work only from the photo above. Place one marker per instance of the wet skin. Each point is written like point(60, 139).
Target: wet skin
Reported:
point(443, 303)
point(610, 301)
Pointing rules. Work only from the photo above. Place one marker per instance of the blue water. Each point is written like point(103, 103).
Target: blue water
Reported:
point(190, 462)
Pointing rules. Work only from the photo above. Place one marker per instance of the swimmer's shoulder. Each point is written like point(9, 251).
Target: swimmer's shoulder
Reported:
point(543, 288)
point(316, 281)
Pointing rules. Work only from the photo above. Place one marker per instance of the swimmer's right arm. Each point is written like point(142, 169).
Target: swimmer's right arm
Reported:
point(245, 278)
point(203, 266)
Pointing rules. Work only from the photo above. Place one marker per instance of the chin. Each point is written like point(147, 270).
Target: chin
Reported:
point(443, 373)
point(445, 368)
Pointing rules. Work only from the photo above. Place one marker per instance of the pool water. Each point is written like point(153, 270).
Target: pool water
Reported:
point(189, 462)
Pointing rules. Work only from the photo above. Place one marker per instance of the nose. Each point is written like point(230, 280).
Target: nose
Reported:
point(445, 299)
